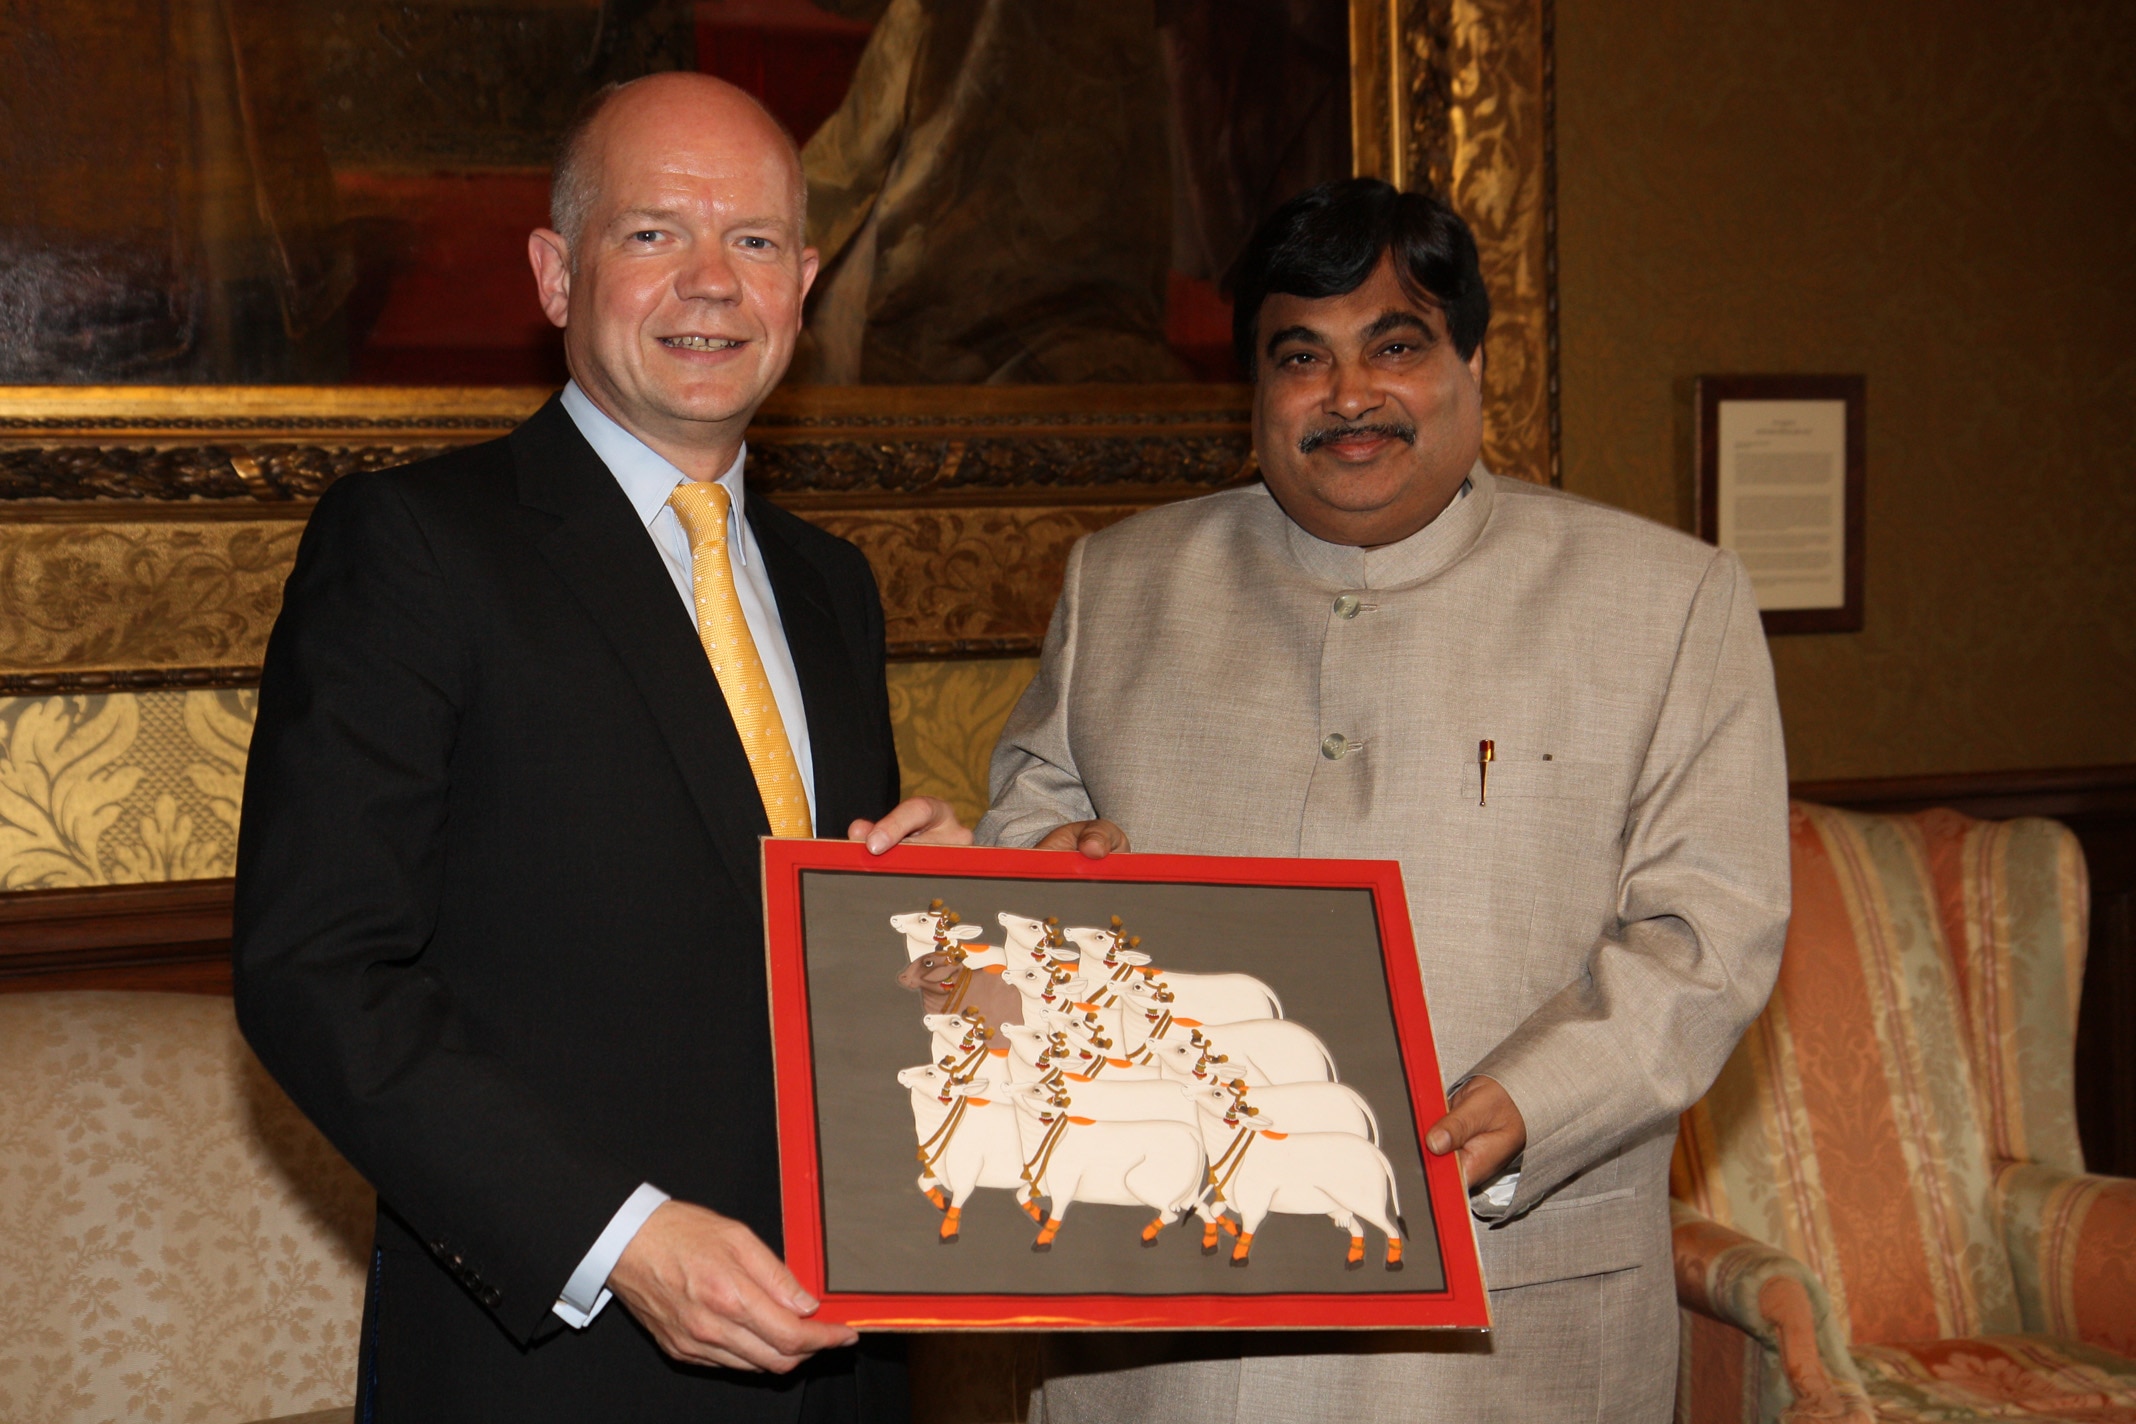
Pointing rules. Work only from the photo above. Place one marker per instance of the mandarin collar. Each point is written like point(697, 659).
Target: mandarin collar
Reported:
point(1430, 551)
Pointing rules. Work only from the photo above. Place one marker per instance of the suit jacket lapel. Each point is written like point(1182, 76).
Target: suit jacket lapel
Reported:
point(602, 554)
point(823, 667)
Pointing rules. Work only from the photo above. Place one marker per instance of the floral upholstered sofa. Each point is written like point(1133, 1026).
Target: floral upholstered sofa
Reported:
point(1881, 1207)
point(177, 1243)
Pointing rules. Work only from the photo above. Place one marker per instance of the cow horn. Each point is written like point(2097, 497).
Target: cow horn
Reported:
point(934, 905)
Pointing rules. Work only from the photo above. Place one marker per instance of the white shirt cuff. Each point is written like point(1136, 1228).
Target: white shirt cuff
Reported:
point(587, 1290)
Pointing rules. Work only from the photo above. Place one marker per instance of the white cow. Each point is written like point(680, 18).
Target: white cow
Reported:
point(924, 931)
point(1111, 964)
point(1307, 1107)
point(967, 1141)
point(1053, 987)
point(1260, 1051)
point(1026, 937)
point(1071, 1157)
point(962, 1044)
point(1152, 1100)
point(1039, 1051)
point(1255, 1168)
point(1044, 986)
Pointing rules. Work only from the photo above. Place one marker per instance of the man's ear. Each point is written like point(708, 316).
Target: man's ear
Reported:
point(1475, 365)
point(550, 257)
point(811, 261)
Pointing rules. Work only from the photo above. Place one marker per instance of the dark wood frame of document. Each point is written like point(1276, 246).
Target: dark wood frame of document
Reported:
point(1712, 391)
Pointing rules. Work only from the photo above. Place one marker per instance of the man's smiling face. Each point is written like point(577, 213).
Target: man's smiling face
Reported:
point(1366, 420)
point(681, 297)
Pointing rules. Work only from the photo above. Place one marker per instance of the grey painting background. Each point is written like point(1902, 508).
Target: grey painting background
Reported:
point(1318, 949)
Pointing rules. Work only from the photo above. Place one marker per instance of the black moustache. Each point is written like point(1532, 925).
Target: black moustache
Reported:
point(1407, 434)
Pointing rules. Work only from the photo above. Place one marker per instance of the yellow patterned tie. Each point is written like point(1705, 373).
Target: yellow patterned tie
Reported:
point(702, 507)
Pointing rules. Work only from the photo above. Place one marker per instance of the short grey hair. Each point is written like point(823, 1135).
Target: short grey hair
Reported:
point(574, 183)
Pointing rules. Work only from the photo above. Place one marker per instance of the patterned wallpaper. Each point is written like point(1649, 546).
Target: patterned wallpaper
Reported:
point(120, 788)
point(1938, 197)
point(129, 787)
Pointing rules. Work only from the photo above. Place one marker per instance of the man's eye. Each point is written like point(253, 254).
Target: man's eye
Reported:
point(645, 235)
point(757, 244)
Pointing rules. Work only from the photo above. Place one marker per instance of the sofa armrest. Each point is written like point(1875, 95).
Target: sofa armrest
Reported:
point(1773, 1298)
point(2072, 1243)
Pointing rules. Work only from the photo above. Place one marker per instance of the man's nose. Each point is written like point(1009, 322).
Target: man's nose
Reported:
point(1353, 393)
point(708, 275)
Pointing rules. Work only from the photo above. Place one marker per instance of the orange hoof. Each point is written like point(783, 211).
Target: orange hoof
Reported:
point(1045, 1237)
point(1238, 1252)
point(1229, 1225)
point(1357, 1251)
point(1030, 1209)
point(1208, 1238)
point(949, 1223)
point(1394, 1253)
point(1149, 1233)
point(941, 1203)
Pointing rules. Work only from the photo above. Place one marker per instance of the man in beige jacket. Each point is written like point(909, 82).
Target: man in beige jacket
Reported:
point(1558, 717)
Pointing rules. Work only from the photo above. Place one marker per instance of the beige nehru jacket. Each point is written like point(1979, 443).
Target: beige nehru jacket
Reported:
point(1597, 936)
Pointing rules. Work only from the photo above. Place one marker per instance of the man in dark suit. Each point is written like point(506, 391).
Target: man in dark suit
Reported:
point(526, 712)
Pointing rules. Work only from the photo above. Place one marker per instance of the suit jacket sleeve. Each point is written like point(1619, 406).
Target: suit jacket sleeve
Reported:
point(340, 867)
point(1701, 912)
point(1033, 778)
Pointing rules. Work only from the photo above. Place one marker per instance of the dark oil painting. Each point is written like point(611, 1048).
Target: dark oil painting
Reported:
point(340, 190)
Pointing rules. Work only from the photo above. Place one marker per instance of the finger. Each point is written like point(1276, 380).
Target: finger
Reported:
point(763, 1329)
point(1485, 1154)
point(786, 1302)
point(1446, 1134)
point(899, 822)
point(1094, 843)
point(771, 1274)
point(1062, 837)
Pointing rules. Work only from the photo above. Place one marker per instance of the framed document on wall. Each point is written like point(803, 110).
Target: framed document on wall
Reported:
point(1780, 483)
point(1024, 1090)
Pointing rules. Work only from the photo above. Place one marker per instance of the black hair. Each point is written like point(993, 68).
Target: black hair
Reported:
point(1326, 241)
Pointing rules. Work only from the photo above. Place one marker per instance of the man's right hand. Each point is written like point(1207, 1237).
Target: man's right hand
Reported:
point(1096, 839)
point(712, 1294)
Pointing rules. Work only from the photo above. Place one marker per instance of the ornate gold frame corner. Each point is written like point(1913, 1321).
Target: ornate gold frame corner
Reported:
point(1460, 96)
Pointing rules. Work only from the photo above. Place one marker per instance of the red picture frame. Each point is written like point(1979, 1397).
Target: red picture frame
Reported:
point(1462, 1302)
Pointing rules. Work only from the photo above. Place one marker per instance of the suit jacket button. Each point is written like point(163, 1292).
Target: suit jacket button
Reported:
point(1334, 746)
point(1347, 606)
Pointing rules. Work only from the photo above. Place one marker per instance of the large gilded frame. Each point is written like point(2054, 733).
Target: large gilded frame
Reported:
point(145, 531)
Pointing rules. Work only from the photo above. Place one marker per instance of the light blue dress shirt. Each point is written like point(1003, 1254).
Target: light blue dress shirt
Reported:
point(647, 480)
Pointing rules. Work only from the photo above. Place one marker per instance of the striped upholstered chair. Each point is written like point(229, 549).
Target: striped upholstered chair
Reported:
point(1881, 1208)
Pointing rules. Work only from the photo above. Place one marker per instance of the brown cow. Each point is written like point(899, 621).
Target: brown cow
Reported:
point(946, 986)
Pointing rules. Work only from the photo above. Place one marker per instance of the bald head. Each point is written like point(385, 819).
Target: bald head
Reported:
point(679, 262)
point(643, 107)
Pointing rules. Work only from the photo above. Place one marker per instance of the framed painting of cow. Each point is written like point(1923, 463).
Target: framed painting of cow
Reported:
point(1028, 1090)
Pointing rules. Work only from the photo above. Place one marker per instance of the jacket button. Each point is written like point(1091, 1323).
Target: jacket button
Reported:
point(1347, 606)
point(1334, 746)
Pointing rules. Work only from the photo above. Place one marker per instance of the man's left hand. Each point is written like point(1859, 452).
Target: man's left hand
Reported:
point(1482, 1128)
point(926, 820)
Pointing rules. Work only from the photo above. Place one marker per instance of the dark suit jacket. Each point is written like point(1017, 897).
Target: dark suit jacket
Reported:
point(499, 917)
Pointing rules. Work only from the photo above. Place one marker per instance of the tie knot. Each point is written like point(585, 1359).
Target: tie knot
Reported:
point(701, 505)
